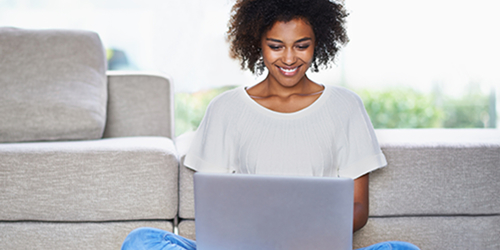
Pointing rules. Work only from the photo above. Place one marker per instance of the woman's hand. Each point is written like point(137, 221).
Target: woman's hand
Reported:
point(361, 202)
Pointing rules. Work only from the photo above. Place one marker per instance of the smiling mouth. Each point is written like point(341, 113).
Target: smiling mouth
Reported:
point(288, 71)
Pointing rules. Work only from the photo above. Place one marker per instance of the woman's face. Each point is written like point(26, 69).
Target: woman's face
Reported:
point(288, 51)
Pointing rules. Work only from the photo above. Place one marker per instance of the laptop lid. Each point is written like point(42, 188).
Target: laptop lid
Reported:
point(248, 212)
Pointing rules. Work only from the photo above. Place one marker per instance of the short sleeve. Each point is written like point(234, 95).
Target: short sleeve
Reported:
point(360, 152)
point(212, 147)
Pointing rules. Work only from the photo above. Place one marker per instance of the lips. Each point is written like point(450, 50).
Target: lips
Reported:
point(288, 71)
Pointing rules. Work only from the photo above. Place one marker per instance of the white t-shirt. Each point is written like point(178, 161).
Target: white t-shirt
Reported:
point(331, 137)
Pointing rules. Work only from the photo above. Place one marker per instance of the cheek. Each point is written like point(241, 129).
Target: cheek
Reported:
point(269, 57)
point(307, 57)
point(311, 54)
point(311, 57)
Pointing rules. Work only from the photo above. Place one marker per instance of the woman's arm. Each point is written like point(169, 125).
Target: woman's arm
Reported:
point(360, 202)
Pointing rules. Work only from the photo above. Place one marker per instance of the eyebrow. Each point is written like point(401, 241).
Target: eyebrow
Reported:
point(298, 41)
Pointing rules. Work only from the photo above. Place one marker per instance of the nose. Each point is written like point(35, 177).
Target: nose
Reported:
point(289, 57)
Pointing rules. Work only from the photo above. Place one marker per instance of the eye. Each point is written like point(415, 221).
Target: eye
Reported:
point(274, 47)
point(303, 46)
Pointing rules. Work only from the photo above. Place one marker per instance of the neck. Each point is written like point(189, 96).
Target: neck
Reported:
point(271, 87)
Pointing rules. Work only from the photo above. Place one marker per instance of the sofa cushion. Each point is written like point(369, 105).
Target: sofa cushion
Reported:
point(433, 232)
point(133, 178)
point(52, 85)
point(186, 186)
point(187, 228)
point(139, 105)
point(437, 172)
point(70, 236)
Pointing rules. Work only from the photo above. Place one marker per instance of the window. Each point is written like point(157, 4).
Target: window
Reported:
point(430, 63)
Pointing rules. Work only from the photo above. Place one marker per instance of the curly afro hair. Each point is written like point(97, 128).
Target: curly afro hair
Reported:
point(251, 19)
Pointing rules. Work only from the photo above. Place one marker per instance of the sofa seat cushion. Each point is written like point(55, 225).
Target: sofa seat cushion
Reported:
point(187, 228)
point(52, 85)
point(434, 232)
point(70, 236)
point(130, 178)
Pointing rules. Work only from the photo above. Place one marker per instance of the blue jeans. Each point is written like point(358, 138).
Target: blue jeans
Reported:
point(155, 239)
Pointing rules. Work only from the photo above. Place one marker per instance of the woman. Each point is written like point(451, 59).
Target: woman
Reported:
point(286, 124)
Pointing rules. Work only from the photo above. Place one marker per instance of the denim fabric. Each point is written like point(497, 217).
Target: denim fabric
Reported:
point(155, 239)
point(147, 238)
point(391, 245)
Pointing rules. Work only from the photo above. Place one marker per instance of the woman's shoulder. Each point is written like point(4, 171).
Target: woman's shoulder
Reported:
point(344, 96)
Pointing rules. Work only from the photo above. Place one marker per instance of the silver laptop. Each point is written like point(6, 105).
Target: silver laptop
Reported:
point(255, 212)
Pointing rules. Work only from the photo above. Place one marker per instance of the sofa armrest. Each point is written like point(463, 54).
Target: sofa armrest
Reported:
point(139, 104)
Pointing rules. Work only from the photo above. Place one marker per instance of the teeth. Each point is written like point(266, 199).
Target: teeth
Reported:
point(289, 70)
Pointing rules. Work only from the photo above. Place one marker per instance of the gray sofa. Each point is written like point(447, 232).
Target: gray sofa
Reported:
point(87, 156)
point(440, 190)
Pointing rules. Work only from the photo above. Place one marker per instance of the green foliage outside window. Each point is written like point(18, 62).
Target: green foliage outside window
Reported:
point(470, 111)
point(401, 108)
point(190, 108)
point(387, 108)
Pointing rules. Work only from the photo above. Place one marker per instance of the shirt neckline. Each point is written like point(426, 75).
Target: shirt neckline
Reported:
point(256, 106)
